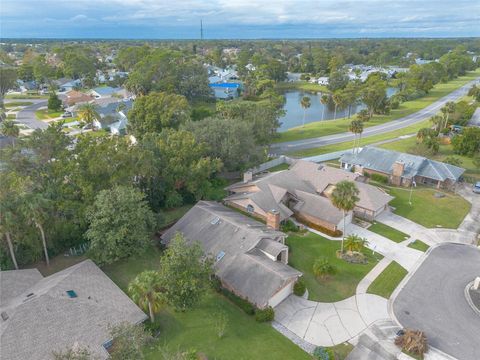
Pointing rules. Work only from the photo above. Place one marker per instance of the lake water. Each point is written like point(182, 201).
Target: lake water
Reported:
point(316, 112)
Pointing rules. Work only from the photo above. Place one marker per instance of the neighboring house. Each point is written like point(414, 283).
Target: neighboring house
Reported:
point(73, 307)
point(225, 91)
point(112, 116)
point(75, 97)
point(250, 258)
point(104, 92)
point(304, 192)
point(66, 84)
point(323, 80)
point(402, 169)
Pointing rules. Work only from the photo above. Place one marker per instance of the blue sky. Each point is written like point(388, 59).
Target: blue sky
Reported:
point(167, 19)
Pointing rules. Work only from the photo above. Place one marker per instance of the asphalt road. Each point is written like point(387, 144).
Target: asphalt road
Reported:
point(432, 109)
point(433, 301)
point(27, 115)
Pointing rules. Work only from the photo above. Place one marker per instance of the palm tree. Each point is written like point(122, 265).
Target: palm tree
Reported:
point(322, 268)
point(356, 127)
point(88, 113)
point(305, 103)
point(324, 99)
point(6, 222)
point(437, 121)
point(339, 101)
point(446, 110)
point(121, 106)
point(35, 207)
point(355, 243)
point(344, 197)
point(146, 291)
point(8, 128)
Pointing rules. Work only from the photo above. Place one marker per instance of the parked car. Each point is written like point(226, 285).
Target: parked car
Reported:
point(476, 188)
point(67, 114)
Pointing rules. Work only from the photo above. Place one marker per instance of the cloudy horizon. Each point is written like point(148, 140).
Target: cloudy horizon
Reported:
point(238, 19)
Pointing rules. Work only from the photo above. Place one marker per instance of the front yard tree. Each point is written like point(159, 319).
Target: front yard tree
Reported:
point(345, 197)
point(8, 77)
point(8, 128)
point(146, 291)
point(157, 111)
point(121, 224)
point(88, 113)
point(54, 103)
point(185, 273)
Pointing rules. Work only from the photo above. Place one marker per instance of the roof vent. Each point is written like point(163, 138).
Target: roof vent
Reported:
point(71, 294)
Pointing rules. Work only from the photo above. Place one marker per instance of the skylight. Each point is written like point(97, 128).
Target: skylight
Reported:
point(215, 221)
point(71, 293)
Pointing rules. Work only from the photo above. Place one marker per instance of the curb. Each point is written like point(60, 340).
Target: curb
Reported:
point(469, 299)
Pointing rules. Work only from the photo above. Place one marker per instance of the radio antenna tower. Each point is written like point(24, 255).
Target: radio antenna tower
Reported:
point(201, 29)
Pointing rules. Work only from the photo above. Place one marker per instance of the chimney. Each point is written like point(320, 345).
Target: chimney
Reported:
point(247, 176)
point(273, 219)
point(398, 168)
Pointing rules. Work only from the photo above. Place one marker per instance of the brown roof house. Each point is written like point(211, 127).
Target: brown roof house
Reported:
point(76, 97)
point(250, 258)
point(71, 308)
point(304, 191)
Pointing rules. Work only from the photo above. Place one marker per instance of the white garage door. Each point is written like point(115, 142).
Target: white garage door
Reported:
point(281, 295)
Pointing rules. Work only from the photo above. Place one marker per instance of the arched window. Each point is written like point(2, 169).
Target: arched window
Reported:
point(250, 209)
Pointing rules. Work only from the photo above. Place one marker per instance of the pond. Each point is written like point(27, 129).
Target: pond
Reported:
point(316, 112)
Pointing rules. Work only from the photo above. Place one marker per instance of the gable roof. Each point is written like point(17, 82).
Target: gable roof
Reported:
point(50, 320)
point(106, 90)
point(306, 181)
point(382, 160)
point(239, 244)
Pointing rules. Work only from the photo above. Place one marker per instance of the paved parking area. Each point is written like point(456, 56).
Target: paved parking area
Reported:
point(433, 301)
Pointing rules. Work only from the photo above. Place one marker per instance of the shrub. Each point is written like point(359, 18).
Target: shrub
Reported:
point(265, 315)
point(379, 178)
point(322, 353)
point(289, 226)
point(300, 218)
point(322, 268)
point(299, 287)
point(243, 304)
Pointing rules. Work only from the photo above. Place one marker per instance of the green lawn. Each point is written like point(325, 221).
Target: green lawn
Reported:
point(46, 114)
point(408, 145)
point(17, 103)
point(427, 210)
point(412, 129)
point(194, 329)
point(324, 128)
point(168, 217)
point(301, 85)
point(388, 280)
point(279, 167)
point(305, 249)
point(419, 245)
point(388, 232)
point(25, 96)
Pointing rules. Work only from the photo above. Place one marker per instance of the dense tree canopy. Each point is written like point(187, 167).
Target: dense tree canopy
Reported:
point(121, 224)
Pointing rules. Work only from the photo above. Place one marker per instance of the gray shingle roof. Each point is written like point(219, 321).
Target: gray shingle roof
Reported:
point(49, 320)
point(244, 266)
point(383, 160)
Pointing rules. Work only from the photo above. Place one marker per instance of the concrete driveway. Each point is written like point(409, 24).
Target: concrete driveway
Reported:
point(405, 256)
point(27, 115)
point(328, 324)
point(433, 300)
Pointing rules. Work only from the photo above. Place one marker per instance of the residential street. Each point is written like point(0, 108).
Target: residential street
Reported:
point(27, 115)
point(432, 109)
point(433, 301)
